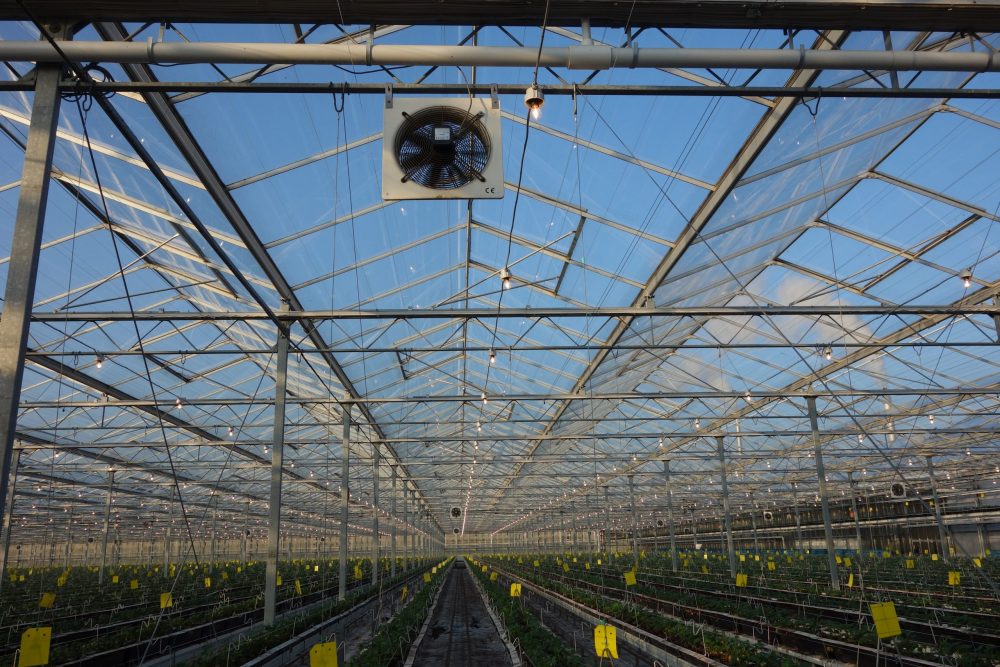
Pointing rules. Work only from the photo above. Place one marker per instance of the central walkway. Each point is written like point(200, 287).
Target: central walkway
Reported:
point(460, 632)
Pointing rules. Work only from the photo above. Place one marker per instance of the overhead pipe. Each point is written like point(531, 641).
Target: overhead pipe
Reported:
point(583, 56)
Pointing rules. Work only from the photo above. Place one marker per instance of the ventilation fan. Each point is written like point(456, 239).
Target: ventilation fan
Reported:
point(441, 148)
point(660, 523)
point(455, 531)
point(768, 515)
point(456, 512)
point(897, 490)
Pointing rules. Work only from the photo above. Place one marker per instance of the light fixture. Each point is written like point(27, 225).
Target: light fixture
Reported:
point(178, 402)
point(100, 361)
point(966, 277)
point(930, 419)
point(493, 357)
point(828, 353)
point(479, 425)
point(886, 406)
point(697, 424)
point(483, 396)
point(230, 431)
point(505, 277)
point(534, 99)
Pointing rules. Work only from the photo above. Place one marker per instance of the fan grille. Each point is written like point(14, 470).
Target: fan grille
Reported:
point(437, 166)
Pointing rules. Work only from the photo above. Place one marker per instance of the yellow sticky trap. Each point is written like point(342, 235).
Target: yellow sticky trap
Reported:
point(427, 577)
point(606, 641)
point(35, 647)
point(598, 561)
point(886, 621)
point(434, 570)
point(537, 564)
point(486, 568)
point(770, 566)
point(741, 580)
point(493, 576)
point(114, 579)
point(934, 556)
point(977, 562)
point(850, 580)
point(910, 564)
point(847, 562)
point(277, 580)
point(208, 582)
point(743, 558)
point(565, 567)
point(166, 600)
point(838, 559)
point(134, 584)
point(404, 593)
point(323, 655)
point(48, 599)
point(756, 558)
point(789, 559)
point(704, 569)
point(630, 578)
point(298, 587)
point(954, 578)
point(316, 569)
point(515, 590)
point(586, 566)
point(574, 559)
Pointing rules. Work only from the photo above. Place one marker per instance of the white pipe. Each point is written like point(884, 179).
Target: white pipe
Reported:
point(587, 57)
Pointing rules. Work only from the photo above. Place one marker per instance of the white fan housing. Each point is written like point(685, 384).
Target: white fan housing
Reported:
point(469, 124)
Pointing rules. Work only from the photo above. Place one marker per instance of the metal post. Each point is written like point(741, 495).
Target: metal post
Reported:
point(8, 514)
point(166, 534)
point(670, 514)
point(246, 534)
point(607, 520)
point(942, 534)
point(753, 523)
point(635, 521)
point(407, 530)
point(573, 529)
point(345, 499)
point(798, 517)
point(376, 538)
point(277, 465)
point(23, 265)
point(823, 494)
point(725, 507)
point(107, 526)
point(392, 528)
point(854, 510)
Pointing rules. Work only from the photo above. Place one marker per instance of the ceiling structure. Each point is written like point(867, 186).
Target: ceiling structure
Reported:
point(683, 266)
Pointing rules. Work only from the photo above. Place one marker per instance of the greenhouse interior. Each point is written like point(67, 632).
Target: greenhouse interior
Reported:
point(500, 333)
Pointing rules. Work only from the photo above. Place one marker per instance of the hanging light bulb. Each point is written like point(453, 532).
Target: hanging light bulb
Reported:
point(483, 396)
point(931, 419)
point(697, 424)
point(534, 99)
point(493, 357)
point(230, 431)
point(966, 277)
point(828, 353)
point(505, 277)
point(886, 406)
point(178, 403)
point(479, 425)
point(100, 361)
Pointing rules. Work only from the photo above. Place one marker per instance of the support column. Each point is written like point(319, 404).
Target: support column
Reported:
point(607, 520)
point(753, 523)
point(22, 268)
point(854, 510)
point(824, 497)
point(107, 527)
point(166, 534)
point(345, 499)
point(798, 517)
point(8, 514)
point(392, 529)
point(277, 465)
point(942, 533)
point(407, 529)
point(725, 506)
point(670, 514)
point(573, 528)
point(635, 521)
point(376, 538)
